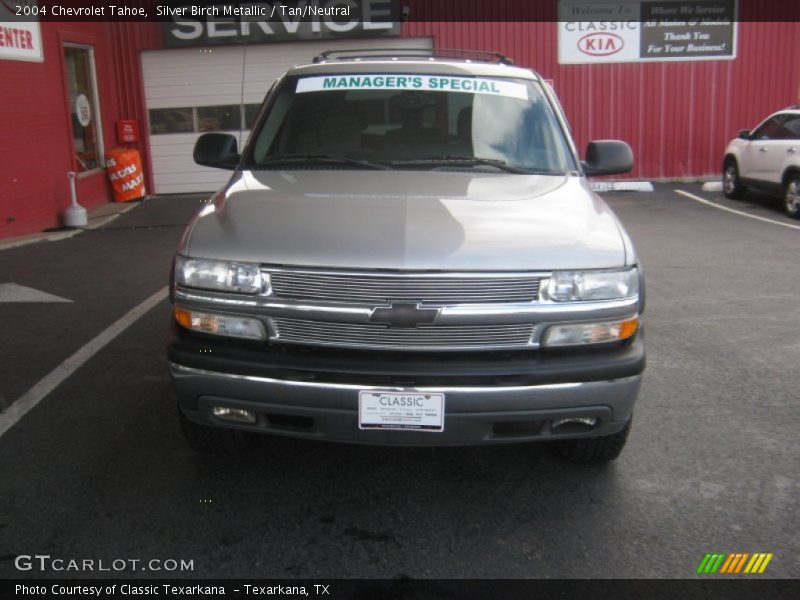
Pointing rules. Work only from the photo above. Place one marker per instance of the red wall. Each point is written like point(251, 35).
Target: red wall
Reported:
point(677, 116)
point(36, 135)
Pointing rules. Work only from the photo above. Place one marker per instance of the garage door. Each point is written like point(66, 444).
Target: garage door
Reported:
point(190, 91)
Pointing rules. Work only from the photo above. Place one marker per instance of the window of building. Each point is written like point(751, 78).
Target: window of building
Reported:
point(171, 120)
point(83, 107)
point(201, 119)
point(219, 118)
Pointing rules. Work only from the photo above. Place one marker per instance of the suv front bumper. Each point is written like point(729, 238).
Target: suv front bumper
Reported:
point(520, 406)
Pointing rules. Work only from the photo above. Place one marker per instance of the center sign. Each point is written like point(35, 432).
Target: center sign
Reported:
point(20, 36)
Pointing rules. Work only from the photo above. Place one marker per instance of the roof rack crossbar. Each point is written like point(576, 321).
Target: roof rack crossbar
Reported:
point(356, 53)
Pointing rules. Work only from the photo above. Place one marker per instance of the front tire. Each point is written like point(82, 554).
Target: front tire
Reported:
point(731, 183)
point(212, 440)
point(791, 196)
point(595, 449)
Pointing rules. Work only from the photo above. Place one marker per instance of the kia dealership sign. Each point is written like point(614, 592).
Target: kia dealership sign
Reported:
point(646, 31)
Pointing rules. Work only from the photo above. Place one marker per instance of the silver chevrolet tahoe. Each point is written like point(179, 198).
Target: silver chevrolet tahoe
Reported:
point(408, 252)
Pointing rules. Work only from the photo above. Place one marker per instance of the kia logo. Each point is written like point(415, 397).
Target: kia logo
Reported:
point(600, 44)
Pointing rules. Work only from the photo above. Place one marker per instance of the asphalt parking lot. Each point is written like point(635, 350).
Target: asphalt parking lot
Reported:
point(98, 469)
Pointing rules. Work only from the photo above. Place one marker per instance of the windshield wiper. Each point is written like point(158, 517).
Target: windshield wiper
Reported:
point(333, 158)
point(468, 161)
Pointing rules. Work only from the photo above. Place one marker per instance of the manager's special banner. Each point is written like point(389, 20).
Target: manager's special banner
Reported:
point(634, 31)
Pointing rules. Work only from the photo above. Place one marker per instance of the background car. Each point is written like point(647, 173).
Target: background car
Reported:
point(767, 159)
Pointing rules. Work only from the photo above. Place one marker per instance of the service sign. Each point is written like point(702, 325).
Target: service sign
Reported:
point(278, 21)
point(19, 39)
point(639, 31)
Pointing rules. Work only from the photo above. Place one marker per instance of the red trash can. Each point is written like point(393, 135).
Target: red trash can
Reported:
point(125, 172)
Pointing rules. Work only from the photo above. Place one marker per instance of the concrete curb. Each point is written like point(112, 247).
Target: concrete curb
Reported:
point(712, 186)
point(35, 238)
point(103, 217)
point(98, 218)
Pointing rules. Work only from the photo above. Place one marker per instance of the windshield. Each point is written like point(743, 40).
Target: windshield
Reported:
point(412, 121)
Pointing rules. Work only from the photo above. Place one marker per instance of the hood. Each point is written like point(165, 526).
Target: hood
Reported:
point(411, 220)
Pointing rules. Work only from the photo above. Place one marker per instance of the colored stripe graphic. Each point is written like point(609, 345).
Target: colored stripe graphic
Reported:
point(740, 564)
point(718, 562)
point(734, 563)
point(703, 563)
point(711, 563)
point(727, 564)
point(755, 562)
point(766, 562)
point(730, 565)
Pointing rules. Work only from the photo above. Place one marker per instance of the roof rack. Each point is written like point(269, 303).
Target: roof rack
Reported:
point(359, 53)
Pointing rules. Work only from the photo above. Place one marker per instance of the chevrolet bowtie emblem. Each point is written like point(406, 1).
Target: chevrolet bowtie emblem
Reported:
point(403, 315)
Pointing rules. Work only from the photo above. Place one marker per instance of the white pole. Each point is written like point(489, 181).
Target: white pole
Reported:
point(75, 215)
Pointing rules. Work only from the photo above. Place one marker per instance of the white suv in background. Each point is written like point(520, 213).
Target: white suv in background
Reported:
point(767, 159)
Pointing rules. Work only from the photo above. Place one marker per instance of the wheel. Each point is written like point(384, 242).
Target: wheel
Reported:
point(212, 440)
point(731, 185)
point(791, 196)
point(596, 449)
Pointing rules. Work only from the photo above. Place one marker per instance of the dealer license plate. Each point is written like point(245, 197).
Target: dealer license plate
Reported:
point(401, 410)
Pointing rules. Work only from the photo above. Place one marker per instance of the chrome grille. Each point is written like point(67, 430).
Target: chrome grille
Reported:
point(380, 288)
point(356, 335)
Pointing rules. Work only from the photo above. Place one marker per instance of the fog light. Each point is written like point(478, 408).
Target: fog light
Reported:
point(578, 334)
point(588, 421)
point(225, 325)
point(238, 415)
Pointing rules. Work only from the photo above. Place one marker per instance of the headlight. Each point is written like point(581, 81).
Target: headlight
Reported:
point(579, 334)
point(224, 325)
point(576, 286)
point(219, 275)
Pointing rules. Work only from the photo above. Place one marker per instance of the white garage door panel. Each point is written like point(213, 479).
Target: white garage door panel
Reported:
point(224, 82)
point(175, 170)
point(201, 66)
point(196, 77)
point(180, 98)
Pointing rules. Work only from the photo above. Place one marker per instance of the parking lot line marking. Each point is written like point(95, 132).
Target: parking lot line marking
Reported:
point(53, 379)
point(12, 292)
point(733, 210)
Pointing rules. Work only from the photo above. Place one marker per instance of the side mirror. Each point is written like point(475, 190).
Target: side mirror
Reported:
point(216, 150)
point(744, 134)
point(607, 157)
